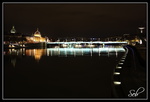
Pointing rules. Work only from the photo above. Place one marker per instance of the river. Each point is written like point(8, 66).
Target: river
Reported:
point(60, 72)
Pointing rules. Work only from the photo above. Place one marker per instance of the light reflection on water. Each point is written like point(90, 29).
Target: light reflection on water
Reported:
point(57, 72)
point(64, 52)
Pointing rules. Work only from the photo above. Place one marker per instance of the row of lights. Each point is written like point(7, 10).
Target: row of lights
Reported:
point(12, 46)
point(119, 67)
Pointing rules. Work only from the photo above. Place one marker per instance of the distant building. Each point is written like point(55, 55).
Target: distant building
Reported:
point(36, 38)
point(13, 30)
point(13, 36)
point(131, 39)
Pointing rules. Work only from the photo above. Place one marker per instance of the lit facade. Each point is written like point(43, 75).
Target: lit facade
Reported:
point(36, 38)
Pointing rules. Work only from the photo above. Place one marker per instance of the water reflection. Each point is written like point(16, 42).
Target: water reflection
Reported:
point(13, 61)
point(37, 53)
point(83, 51)
point(65, 52)
point(56, 72)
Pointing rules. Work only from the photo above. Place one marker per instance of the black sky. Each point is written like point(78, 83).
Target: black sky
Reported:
point(75, 20)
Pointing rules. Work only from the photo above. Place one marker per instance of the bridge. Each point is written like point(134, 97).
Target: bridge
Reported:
point(67, 44)
point(88, 42)
point(80, 44)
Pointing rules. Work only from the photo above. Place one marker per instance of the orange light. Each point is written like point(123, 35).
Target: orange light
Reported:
point(37, 53)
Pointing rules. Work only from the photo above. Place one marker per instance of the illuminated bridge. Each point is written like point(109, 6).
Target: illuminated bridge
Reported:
point(90, 42)
point(85, 43)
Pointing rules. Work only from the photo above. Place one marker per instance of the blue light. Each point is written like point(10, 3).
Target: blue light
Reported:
point(82, 51)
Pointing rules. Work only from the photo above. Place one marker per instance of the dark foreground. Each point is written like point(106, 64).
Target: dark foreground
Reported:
point(59, 77)
point(133, 75)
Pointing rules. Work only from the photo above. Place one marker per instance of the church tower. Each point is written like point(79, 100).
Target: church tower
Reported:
point(13, 30)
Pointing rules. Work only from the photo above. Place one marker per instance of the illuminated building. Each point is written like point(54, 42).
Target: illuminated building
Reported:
point(36, 38)
point(13, 30)
point(13, 37)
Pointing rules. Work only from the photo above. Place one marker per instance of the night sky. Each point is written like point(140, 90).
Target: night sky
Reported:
point(75, 20)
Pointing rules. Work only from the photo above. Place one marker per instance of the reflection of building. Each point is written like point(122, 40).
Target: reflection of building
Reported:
point(37, 53)
point(36, 38)
point(13, 61)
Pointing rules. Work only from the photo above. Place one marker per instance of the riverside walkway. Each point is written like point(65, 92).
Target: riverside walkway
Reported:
point(133, 75)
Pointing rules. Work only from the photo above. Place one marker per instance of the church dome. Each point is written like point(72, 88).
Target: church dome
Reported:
point(13, 30)
point(37, 34)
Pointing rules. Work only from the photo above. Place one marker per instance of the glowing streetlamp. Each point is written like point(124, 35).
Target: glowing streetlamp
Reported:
point(141, 29)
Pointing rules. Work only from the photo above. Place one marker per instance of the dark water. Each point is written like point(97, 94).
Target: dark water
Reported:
point(63, 73)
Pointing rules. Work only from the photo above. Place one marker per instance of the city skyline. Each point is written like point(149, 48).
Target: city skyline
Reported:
point(75, 20)
point(74, 50)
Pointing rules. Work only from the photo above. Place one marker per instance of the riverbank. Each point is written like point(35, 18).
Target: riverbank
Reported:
point(133, 73)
